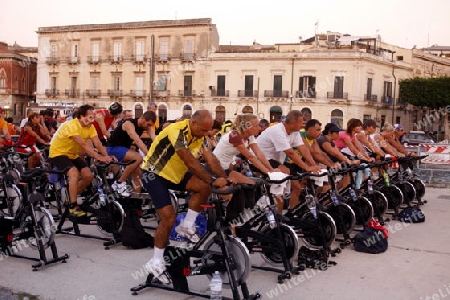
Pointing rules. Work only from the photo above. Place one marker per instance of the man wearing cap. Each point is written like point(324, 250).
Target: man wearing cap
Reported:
point(6, 140)
point(369, 128)
point(104, 119)
point(399, 132)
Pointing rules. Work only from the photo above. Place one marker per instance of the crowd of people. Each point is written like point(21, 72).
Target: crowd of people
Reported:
point(193, 154)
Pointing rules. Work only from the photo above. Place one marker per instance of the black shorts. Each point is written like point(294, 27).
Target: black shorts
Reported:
point(61, 162)
point(293, 168)
point(158, 187)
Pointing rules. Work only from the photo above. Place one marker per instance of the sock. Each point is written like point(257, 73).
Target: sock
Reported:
point(158, 253)
point(189, 220)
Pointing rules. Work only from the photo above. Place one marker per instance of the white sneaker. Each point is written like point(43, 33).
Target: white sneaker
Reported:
point(190, 233)
point(121, 188)
point(157, 268)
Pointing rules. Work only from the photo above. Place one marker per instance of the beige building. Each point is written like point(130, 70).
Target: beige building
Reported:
point(179, 65)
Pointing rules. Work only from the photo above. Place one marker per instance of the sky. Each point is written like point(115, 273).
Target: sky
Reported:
point(404, 23)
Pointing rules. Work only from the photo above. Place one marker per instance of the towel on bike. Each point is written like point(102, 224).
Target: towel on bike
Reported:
point(282, 188)
point(320, 180)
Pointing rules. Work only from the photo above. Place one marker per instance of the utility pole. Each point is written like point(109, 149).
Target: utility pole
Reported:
point(152, 69)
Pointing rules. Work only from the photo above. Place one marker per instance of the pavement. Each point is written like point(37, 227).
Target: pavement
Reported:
point(415, 266)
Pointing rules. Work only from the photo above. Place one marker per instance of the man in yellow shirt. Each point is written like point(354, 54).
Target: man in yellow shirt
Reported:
point(65, 147)
point(172, 163)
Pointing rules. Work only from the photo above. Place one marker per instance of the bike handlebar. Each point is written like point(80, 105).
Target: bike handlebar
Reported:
point(104, 165)
point(229, 190)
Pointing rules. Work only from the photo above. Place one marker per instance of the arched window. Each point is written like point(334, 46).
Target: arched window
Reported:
point(337, 117)
point(138, 111)
point(187, 111)
point(220, 113)
point(162, 113)
point(247, 109)
point(275, 114)
point(307, 115)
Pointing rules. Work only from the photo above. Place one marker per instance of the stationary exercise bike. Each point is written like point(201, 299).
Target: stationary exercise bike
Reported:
point(223, 253)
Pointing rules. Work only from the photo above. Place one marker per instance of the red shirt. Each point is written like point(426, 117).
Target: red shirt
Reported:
point(107, 118)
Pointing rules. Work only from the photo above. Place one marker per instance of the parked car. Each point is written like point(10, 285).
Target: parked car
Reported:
point(416, 137)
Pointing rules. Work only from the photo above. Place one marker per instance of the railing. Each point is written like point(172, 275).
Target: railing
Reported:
point(72, 93)
point(305, 94)
point(220, 93)
point(92, 93)
point(138, 93)
point(276, 94)
point(334, 95)
point(73, 60)
point(248, 93)
point(160, 94)
point(52, 60)
point(387, 99)
point(115, 93)
point(186, 93)
point(116, 59)
point(162, 57)
point(437, 162)
point(187, 56)
point(370, 98)
point(94, 59)
point(139, 58)
point(51, 92)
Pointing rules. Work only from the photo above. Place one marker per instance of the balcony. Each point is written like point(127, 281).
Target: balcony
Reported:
point(387, 101)
point(52, 60)
point(138, 93)
point(51, 92)
point(162, 57)
point(72, 93)
point(276, 94)
point(139, 59)
point(305, 94)
point(73, 60)
point(248, 93)
point(401, 103)
point(115, 93)
point(161, 94)
point(370, 99)
point(116, 59)
point(186, 93)
point(335, 95)
point(93, 60)
point(187, 57)
point(92, 93)
point(220, 93)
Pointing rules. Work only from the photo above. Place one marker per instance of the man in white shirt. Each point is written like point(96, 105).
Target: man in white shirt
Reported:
point(276, 142)
point(25, 120)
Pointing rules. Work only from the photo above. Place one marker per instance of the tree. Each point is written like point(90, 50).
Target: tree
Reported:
point(433, 93)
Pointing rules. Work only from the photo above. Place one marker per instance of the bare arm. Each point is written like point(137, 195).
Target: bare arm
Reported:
point(99, 146)
point(31, 132)
point(6, 134)
point(101, 123)
point(131, 130)
point(384, 144)
point(396, 144)
point(90, 150)
point(321, 157)
point(369, 144)
point(262, 158)
point(306, 153)
point(298, 161)
point(333, 151)
point(253, 159)
point(356, 149)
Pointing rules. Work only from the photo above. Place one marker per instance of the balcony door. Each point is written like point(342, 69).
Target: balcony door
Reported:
point(187, 85)
point(277, 85)
point(248, 89)
point(338, 87)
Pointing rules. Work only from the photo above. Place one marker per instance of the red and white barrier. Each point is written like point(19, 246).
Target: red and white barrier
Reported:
point(437, 153)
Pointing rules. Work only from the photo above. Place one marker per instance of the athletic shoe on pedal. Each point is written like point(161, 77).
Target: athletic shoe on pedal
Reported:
point(190, 233)
point(121, 188)
point(157, 268)
point(77, 212)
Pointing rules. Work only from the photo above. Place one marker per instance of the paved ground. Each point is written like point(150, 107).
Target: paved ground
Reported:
point(416, 266)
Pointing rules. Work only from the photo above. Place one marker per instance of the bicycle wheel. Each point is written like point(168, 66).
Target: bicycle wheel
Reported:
point(343, 216)
point(240, 256)
point(394, 196)
point(420, 188)
point(316, 240)
point(45, 222)
point(289, 239)
point(379, 203)
point(408, 190)
point(13, 199)
point(108, 223)
point(363, 210)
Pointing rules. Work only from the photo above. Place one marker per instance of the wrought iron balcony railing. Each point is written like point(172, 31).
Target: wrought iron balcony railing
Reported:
point(92, 93)
point(335, 95)
point(72, 93)
point(51, 92)
point(276, 94)
point(248, 93)
point(115, 93)
point(220, 93)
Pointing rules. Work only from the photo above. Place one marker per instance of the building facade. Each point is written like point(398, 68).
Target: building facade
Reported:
point(17, 79)
point(180, 65)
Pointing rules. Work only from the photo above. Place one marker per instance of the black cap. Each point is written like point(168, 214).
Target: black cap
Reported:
point(331, 127)
point(370, 122)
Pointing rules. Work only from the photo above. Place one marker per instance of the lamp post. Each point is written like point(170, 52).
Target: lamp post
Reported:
point(393, 96)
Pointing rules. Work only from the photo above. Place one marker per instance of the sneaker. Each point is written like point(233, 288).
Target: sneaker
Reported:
point(77, 212)
point(157, 268)
point(190, 233)
point(121, 188)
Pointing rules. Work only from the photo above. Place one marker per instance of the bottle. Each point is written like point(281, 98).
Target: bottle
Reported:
point(358, 179)
point(408, 171)
point(386, 179)
point(334, 198)
point(216, 286)
point(270, 218)
point(370, 186)
point(247, 170)
point(101, 195)
point(311, 205)
point(352, 194)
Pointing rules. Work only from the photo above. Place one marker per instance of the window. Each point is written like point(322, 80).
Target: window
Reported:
point(95, 51)
point(187, 85)
point(248, 92)
point(95, 83)
point(73, 83)
point(367, 117)
point(116, 83)
point(140, 50)
point(339, 87)
point(307, 87)
point(139, 86)
point(2, 82)
point(24, 86)
point(369, 89)
point(161, 84)
point(53, 83)
point(387, 92)
point(164, 50)
point(188, 50)
point(74, 53)
point(307, 114)
point(221, 85)
point(397, 120)
point(277, 85)
point(54, 50)
point(337, 117)
point(117, 54)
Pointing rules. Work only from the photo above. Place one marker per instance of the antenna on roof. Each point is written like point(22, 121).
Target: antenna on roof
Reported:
point(316, 32)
